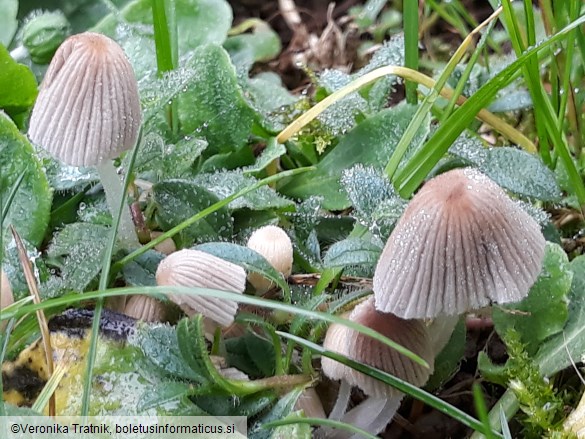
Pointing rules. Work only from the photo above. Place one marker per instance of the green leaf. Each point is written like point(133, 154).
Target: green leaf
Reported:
point(198, 22)
point(30, 209)
point(248, 405)
point(281, 410)
point(352, 251)
point(178, 200)
point(225, 183)
point(8, 23)
point(544, 312)
point(193, 348)
point(297, 431)
point(370, 143)
point(246, 258)
point(263, 44)
point(213, 106)
point(272, 151)
point(169, 160)
point(496, 373)
point(160, 347)
point(522, 173)
point(513, 169)
point(78, 251)
point(568, 346)
point(18, 86)
point(251, 354)
point(376, 205)
point(165, 392)
point(447, 362)
point(271, 99)
point(142, 270)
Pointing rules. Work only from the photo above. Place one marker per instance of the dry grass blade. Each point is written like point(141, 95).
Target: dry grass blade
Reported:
point(32, 285)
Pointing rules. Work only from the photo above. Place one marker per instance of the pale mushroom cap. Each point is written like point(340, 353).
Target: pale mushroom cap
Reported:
point(88, 107)
point(461, 244)
point(6, 296)
point(410, 334)
point(274, 244)
point(194, 268)
point(145, 308)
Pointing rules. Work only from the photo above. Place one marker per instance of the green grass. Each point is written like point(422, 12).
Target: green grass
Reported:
point(548, 69)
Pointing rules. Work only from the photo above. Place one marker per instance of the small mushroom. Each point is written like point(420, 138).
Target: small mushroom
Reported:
point(194, 268)
point(375, 413)
point(146, 308)
point(6, 296)
point(461, 244)
point(274, 244)
point(88, 112)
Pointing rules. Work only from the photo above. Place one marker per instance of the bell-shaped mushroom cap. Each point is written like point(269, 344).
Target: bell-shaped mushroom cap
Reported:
point(145, 308)
point(88, 108)
point(274, 244)
point(194, 268)
point(411, 334)
point(461, 244)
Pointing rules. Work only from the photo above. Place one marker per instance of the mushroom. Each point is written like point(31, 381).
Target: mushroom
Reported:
point(88, 112)
point(375, 413)
point(145, 308)
point(6, 296)
point(274, 244)
point(194, 268)
point(461, 244)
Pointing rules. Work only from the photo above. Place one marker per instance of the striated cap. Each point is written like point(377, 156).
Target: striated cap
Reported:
point(88, 107)
point(194, 268)
point(461, 244)
point(145, 308)
point(274, 244)
point(411, 334)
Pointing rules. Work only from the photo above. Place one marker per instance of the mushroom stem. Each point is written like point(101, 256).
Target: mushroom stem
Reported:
point(114, 192)
point(341, 401)
point(440, 331)
point(374, 414)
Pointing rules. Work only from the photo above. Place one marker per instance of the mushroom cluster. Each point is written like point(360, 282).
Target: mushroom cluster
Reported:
point(460, 245)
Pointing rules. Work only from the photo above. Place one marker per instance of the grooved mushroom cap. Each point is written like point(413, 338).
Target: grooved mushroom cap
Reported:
point(145, 308)
point(411, 334)
point(461, 244)
point(88, 108)
point(194, 268)
point(274, 244)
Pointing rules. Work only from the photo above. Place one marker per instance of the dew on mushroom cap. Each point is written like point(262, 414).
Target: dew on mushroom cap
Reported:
point(461, 244)
point(411, 334)
point(88, 112)
point(88, 107)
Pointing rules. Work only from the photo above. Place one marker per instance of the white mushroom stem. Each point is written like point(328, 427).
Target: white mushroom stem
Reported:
point(440, 331)
point(114, 190)
point(341, 402)
point(373, 415)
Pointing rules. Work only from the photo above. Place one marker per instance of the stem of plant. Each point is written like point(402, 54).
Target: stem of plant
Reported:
point(114, 192)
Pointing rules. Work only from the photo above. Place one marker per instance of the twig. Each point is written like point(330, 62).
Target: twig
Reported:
point(32, 286)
